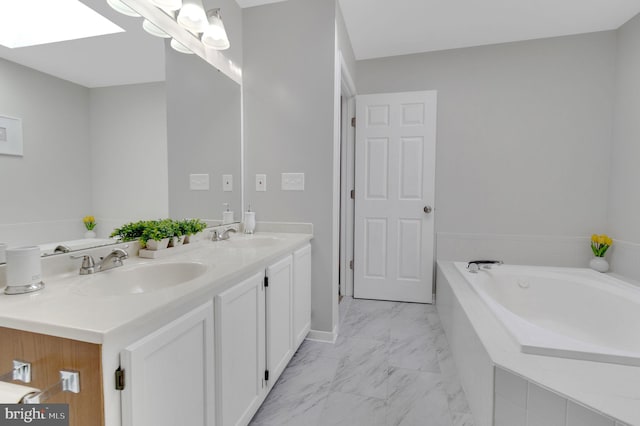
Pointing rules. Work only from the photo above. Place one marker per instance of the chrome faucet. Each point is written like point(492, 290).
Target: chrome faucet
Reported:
point(110, 261)
point(475, 265)
point(113, 259)
point(221, 235)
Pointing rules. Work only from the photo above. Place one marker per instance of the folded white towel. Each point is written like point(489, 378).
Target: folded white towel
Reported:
point(12, 394)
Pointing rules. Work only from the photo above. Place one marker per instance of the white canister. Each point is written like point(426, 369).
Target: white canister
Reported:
point(3, 250)
point(249, 222)
point(24, 272)
point(227, 217)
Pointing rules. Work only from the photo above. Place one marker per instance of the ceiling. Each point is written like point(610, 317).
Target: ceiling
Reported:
point(129, 57)
point(379, 28)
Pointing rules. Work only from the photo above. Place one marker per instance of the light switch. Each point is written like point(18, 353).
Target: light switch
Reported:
point(199, 182)
point(261, 183)
point(227, 183)
point(292, 181)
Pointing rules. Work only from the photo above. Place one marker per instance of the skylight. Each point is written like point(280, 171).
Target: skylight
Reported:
point(32, 22)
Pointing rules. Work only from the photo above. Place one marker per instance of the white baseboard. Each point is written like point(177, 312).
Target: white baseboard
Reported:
point(323, 336)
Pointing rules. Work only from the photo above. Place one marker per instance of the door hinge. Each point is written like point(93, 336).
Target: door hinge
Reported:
point(266, 375)
point(351, 264)
point(266, 281)
point(353, 194)
point(119, 379)
point(353, 122)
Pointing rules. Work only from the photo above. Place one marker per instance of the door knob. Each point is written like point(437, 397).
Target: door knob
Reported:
point(427, 209)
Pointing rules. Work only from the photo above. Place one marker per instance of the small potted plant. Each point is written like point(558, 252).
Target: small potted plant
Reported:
point(177, 236)
point(89, 223)
point(190, 228)
point(156, 235)
point(599, 246)
point(129, 231)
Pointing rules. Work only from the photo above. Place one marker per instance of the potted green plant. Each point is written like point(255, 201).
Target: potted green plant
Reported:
point(156, 234)
point(177, 237)
point(129, 231)
point(190, 228)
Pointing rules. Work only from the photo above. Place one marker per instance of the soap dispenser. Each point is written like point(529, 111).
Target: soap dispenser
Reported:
point(249, 221)
point(227, 215)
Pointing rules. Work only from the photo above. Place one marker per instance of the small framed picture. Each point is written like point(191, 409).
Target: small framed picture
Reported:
point(10, 136)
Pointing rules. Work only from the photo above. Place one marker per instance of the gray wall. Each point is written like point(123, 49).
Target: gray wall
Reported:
point(624, 201)
point(524, 141)
point(288, 88)
point(129, 154)
point(46, 190)
point(344, 42)
point(86, 151)
point(203, 128)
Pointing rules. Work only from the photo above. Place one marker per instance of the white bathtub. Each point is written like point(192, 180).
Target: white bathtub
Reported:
point(563, 312)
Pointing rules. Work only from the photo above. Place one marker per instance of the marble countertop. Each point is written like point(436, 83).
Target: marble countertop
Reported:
point(60, 309)
point(611, 389)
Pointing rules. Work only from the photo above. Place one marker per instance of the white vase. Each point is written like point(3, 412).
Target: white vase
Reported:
point(157, 245)
point(90, 234)
point(176, 241)
point(599, 264)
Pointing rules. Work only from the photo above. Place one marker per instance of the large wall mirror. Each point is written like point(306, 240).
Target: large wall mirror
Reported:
point(114, 126)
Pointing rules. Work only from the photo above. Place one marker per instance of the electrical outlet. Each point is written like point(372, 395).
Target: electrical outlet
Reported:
point(261, 183)
point(292, 181)
point(199, 182)
point(227, 183)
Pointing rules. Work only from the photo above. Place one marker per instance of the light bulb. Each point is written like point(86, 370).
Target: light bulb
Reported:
point(179, 47)
point(118, 6)
point(192, 16)
point(153, 29)
point(214, 35)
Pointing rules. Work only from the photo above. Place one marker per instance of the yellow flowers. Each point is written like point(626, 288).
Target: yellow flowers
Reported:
point(600, 244)
point(89, 222)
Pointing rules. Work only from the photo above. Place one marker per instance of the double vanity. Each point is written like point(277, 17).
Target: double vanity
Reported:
point(198, 337)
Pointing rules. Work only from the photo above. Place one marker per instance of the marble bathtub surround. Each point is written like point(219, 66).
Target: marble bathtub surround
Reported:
point(390, 366)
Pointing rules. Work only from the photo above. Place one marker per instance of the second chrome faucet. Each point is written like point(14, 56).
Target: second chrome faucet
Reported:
point(110, 261)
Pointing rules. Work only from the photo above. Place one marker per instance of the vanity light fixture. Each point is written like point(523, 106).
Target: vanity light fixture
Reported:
point(170, 5)
point(192, 16)
point(153, 29)
point(215, 36)
point(118, 6)
point(179, 47)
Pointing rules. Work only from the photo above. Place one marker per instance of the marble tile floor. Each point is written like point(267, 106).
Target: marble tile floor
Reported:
point(390, 366)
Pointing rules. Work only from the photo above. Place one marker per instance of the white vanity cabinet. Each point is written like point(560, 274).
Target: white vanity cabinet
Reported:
point(240, 343)
point(279, 317)
point(216, 364)
point(170, 375)
point(301, 294)
point(260, 323)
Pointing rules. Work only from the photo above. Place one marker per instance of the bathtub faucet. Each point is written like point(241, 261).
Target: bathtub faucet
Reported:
point(475, 265)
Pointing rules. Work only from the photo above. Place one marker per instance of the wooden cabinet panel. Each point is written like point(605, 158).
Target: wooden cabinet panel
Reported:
point(48, 355)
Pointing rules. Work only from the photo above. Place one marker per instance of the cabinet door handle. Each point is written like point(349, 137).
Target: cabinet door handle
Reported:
point(427, 209)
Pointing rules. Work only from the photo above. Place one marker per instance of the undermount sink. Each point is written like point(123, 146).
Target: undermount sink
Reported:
point(255, 242)
point(140, 279)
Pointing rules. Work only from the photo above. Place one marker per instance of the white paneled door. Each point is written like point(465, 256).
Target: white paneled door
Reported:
point(394, 195)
